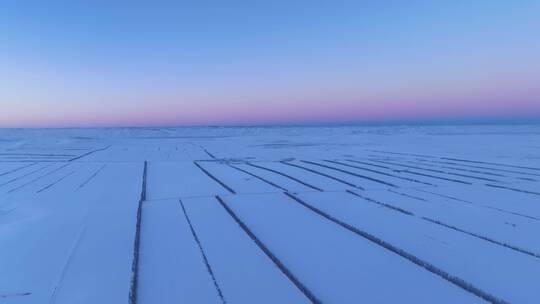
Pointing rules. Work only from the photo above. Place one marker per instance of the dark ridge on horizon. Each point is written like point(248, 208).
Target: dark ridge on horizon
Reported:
point(446, 121)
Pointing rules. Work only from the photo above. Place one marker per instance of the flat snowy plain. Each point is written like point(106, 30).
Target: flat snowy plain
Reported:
point(445, 214)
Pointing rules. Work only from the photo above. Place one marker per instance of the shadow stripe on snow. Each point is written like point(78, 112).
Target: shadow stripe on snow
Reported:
point(533, 254)
point(258, 177)
point(88, 153)
point(55, 182)
point(404, 254)
point(287, 176)
point(438, 171)
point(424, 163)
point(209, 154)
point(136, 242)
point(17, 169)
point(323, 174)
point(72, 250)
point(91, 177)
point(479, 204)
point(214, 178)
point(16, 178)
point(351, 173)
point(379, 172)
point(513, 189)
point(205, 259)
point(38, 178)
point(490, 163)
point(381, 203)
point(438, 177)
point(407, 195)
point(269, 253)
point(437, 222)
point(484, 168)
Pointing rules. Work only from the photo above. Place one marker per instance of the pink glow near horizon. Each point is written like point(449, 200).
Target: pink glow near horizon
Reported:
point(302, 111)
point(64, 65)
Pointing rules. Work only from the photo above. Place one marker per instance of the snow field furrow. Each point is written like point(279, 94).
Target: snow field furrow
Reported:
point(244, 272)
point(137, 240)
point(380, 172)
point(270, 254)
point(258, 177)
point(37, 178)
point(322, 174)
point(238, 179)
point(171, 268)
point(208, 267)
point(277, 179)
point(504, 230)
point(375, 180)
point(286, 175)
point(449, 197)
point(410, 257)
point(435, 244)
point(92, 176)
point(179, 179)
point(334, 263)
point(215, 178)
point(319, 181)
point(13, 170)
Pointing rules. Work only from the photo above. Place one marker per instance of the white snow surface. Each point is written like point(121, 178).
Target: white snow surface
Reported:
point(335, 214)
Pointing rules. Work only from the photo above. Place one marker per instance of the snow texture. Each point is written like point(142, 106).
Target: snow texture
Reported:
point(344, 214)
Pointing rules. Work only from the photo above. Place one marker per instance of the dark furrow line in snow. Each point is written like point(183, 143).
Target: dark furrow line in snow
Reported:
point(38, 178)
point(205, 259)
point(511, 247)
point(369, 164)
point(287, 176)
point(17, 169)
point(438, 171)
point(25, 175)
point(15, 294)
point(62, 274)
point(513, 189)
point(424, 163)
point(91, 177)
point(474, 171)
point(29, 161)
point(401, 153)
point(209, 154)
point(407, 212)
point(24, 157)
point(490, 163)
point(438, 177)
point(269, 253)
point(132, 297)
point(485, 168)
point(351, 173)
point(323, 174)
point(37, 154)
point(407, 195)
point(258, 177)
point(404, 254)
point(88, 153)
point(380, 172)
point(479, 205)
point(214, 178)
point(55, 182)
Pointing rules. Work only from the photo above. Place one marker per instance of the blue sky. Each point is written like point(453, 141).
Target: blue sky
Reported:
point(105, 63)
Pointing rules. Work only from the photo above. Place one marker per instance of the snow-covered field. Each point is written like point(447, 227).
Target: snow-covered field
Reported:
point(446, 214)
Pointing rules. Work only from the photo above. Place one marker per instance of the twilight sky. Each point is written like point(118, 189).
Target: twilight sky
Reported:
point(131, 63)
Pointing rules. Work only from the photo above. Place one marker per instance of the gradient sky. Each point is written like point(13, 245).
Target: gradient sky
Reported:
point(132, 63)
